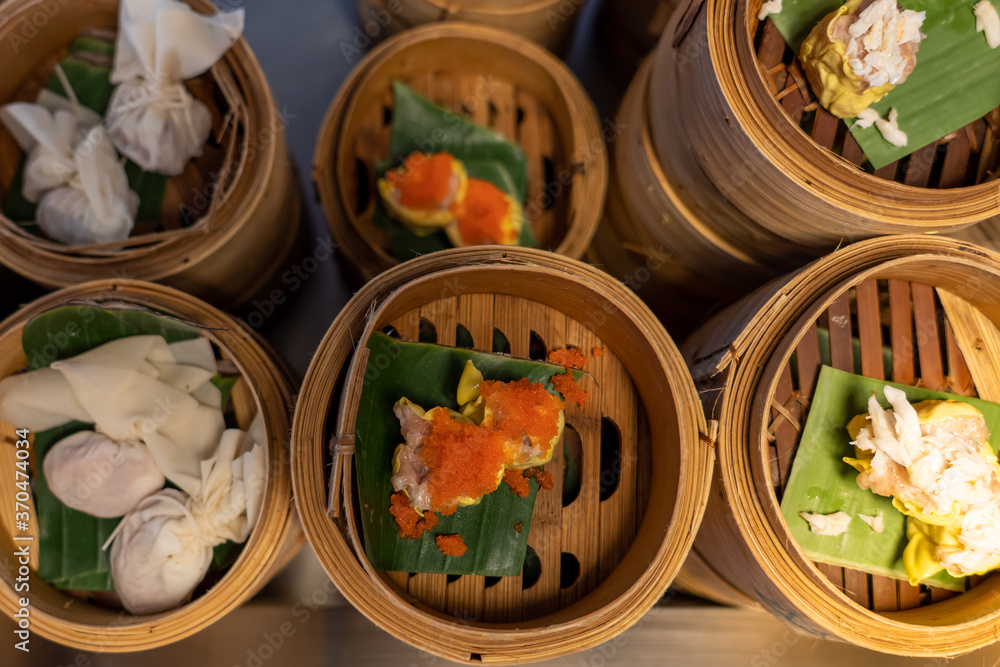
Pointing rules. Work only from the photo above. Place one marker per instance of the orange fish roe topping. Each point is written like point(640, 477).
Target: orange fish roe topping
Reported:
point(517, 483)
point(521, 408)
point(597, 352)
point(465, 460)
point(481, 214)
point(518, 526)
point(451, 545)
point(424, 181)
point(566, 385)
point(570, 357)
point(544, 479)
point(411, 524)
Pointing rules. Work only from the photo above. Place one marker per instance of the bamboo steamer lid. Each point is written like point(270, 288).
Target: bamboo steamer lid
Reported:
point(783, 178)
point(240, 190)
point(740, 361)
point(549, 23)
point(642, 532)
point(265, 386)
point(501, 81)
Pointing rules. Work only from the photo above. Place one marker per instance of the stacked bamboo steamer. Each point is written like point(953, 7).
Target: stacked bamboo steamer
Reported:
point(722, 161)
point(501, 81)
point(741, 363)
point(264, 387)
point(241, 190)
point(629, 546)
point(546, 22)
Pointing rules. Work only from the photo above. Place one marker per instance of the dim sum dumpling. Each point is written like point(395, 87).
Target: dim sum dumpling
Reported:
point(152, 117)
point(163, 549)
point(105, 478)
point(160, 554)
point(130, 389)
point(74, 175)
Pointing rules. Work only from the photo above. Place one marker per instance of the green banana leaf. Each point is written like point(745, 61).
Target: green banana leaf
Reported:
point(93, 88)
point(428, 375)
point(419, 125)
point(65, 332)
point(821, 482)
point(953, 84)
point(70, 541)
point(404, 244)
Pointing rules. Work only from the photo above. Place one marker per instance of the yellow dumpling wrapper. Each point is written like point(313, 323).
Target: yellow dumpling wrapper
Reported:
point(429, 416)
point(923, 540)
point(824, 60)
point(424, 222)
point(925, 532)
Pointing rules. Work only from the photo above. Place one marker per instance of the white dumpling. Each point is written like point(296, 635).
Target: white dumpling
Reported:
point(73, 173)
point(152, 117)
point(97, 206)
point(159, 555)
point(105, 478)
point(163, 548)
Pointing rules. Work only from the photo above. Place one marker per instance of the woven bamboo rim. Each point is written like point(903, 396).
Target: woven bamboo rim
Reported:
point(252, 217)
point(656, 219)
point(482, 68)
point(785, 180)
point(648, 562)
point(546, 22)
point(738, 359)
point(265, 387)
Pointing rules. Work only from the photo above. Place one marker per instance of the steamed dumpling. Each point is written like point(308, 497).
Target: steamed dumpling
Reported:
point(73, 173)
point(152, 118)
point(160, 554)
point(164, 546)
point(105, 478)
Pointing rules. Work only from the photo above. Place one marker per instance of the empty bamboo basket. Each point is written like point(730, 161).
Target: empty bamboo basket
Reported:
point(497, 79)
point(546, 22)
point(757, 133)
point(628, 547)
point(95, 624)
point(238, 200)
point(756, 365)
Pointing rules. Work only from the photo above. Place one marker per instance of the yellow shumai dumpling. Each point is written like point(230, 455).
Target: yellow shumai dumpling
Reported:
point(833, 55)
point(422, 192)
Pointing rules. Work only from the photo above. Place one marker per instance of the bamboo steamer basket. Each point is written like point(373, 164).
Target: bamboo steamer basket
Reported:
point(241, 191)
point(654, 218)
point(629, 547)
point(265, 386)
point(892, 288)
point(497, 79)
point(742, 106)
point(549, 23)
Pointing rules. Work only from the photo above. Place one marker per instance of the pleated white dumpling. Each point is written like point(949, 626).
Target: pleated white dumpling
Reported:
point(105, 478)
point(73, 173)
point(160, 554)
point(152, 118)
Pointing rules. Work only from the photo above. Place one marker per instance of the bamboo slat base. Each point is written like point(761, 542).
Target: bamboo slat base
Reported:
point(882, 293)
point(628, 546)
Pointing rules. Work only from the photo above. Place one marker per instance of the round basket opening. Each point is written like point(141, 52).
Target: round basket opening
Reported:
point(605, 542)
point(901, 321)
point(96, 620)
